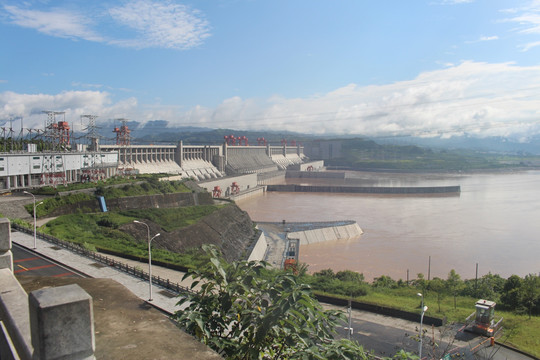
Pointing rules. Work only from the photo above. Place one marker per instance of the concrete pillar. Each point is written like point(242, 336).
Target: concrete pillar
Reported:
point(62, 323)
point(6, 257)
point(180, 153)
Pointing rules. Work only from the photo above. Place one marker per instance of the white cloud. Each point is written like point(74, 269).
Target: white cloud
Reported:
point(454, 2)
point(57, 22)
point(527, 19)
point(530, 45)
point(471, 97)
point(156, 24)
point(488, 38)
point(161, 24)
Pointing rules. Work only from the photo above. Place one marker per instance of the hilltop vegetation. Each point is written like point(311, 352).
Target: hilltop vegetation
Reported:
point(363, 154)
point(147, 185)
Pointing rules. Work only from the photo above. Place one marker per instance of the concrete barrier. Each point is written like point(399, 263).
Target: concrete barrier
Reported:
point(258, 252)
point(51, 323)
point(338, 232)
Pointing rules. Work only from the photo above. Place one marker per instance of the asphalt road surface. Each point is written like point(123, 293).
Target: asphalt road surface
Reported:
point(26, 262)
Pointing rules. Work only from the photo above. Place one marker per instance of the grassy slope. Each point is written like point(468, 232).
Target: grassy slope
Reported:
point(101, 229)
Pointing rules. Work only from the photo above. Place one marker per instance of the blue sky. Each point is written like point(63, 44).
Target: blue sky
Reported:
point(366, 67)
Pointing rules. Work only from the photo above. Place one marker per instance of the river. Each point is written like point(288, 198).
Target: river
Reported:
point(494, 222)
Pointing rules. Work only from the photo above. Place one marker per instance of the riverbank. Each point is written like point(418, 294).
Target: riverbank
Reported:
point(277, 233)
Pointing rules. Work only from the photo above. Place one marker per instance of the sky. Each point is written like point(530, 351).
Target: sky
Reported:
point(328, 67)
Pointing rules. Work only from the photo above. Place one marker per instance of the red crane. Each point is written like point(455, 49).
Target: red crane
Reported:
point(230, 140)
point(244, 139)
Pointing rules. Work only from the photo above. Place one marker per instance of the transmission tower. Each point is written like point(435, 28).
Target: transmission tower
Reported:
point(57, 133)
point(92, 161)
point(92, 134)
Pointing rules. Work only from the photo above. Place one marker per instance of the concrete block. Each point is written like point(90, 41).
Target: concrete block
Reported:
point(14, 313)
point(6, 260)
point(5, 235)
point(62, 323)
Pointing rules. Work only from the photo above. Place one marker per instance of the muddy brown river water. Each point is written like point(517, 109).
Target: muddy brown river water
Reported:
point(494, 222)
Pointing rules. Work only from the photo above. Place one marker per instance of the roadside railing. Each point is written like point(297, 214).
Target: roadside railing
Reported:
point(126, 268)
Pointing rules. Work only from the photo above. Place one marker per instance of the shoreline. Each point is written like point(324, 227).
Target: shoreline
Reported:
point(278, 233)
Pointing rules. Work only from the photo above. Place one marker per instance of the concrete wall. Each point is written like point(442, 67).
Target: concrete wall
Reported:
point(247, 181)
point(259, 250)
point(137, 202)
point(340, 232)
point(315, 174)
point(368, 189)
point(270, 177)
point(314, 165)
point(51, 323)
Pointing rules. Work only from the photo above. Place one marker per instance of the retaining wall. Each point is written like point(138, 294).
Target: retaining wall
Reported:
point(245, 182)
point(50, 323)
point(257, 191)
point(340, 232)
point(137, 202)
point(258, 252)
point(315, 174)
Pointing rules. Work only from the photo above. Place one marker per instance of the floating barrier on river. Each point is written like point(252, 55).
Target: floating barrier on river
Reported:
point(367, 189)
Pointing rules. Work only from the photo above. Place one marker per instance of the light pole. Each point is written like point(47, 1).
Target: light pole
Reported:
point(149, 255)
point(33, 197)
point(424, 309)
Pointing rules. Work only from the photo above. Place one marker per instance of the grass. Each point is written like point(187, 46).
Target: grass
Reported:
point(102, 230)
point(150, 186)
point(172, 220)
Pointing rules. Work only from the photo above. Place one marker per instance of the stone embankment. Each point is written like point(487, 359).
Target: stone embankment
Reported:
point(321, 232)
point(276, 235)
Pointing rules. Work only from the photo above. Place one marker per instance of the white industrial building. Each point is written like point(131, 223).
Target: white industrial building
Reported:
point(34, 169)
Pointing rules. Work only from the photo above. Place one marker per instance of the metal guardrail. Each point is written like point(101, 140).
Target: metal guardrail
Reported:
point(131, 270)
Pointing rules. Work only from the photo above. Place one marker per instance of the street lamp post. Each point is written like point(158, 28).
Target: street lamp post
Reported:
point(423, 309)
point(34, 198)
point(149, 255)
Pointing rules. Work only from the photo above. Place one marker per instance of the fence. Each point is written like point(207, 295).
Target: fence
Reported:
point(132, 270)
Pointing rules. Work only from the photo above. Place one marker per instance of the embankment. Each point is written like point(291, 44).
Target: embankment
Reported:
point(367, 189)
point(339, 231)
point(229, 228)
point(308, 232)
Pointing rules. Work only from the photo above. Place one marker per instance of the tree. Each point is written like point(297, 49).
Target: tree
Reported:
point(384, 281)
point(243, 313)
point(454, 284)
point(348, 275)
point(511, 294)
point(438, 286)
point(530, 292)
point(420, 282)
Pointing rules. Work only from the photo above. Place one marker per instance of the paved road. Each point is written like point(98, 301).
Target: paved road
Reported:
point(27, 262)
point(386, 335)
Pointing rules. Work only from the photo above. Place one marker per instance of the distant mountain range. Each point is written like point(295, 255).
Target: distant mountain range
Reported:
point(158, 131)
